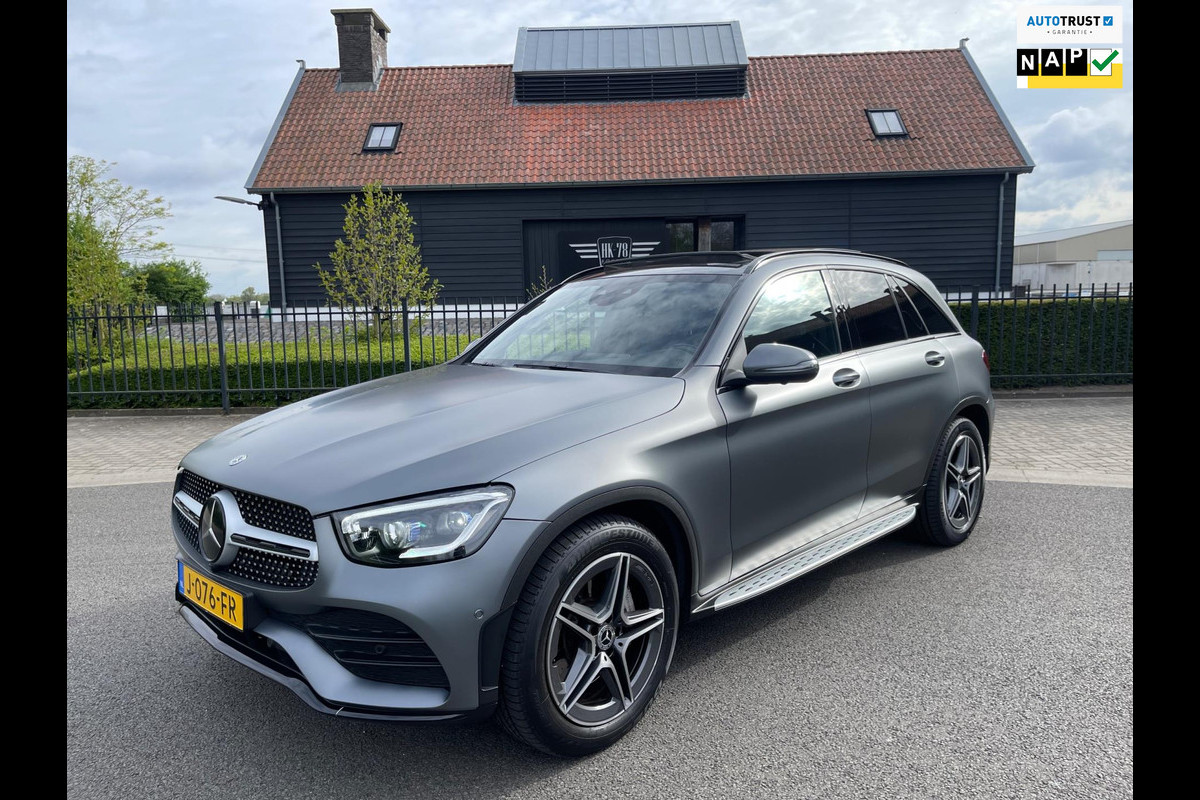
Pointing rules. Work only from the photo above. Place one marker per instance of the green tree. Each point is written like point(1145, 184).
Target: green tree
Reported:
point(126, 218)
point(94, 269)
point(173, 282)
point(377, 262)
point(248, 294)
point(108, 223)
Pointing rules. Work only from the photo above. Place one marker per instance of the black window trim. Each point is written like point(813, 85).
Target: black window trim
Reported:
point(366, 148)
point(847, 339)
point(886, 134)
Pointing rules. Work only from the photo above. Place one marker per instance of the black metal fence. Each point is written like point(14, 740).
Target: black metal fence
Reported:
point(146, 356)
point(1052, 335)
point(119, 356)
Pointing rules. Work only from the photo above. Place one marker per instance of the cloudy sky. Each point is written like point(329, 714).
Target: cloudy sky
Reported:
point(180, 93)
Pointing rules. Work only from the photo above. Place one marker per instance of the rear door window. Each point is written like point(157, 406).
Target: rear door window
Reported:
point(931, 313)
point(870, 308)
point(913, 325)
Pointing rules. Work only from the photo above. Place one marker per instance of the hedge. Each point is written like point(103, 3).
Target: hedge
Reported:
point(1060, 341)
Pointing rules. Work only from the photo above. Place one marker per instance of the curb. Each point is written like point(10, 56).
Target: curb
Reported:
point(1064, 392)
point(165, 412)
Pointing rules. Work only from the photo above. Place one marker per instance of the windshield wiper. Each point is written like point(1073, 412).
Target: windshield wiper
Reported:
point(558, 367)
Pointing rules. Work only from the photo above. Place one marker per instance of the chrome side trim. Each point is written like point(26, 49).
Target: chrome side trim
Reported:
point(821, 552)
point(243, 534)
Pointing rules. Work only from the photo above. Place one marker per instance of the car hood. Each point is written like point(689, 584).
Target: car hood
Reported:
point(425, 431)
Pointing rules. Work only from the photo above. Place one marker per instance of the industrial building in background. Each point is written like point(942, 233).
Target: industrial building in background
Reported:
point(1092, 254)
point(638, 140)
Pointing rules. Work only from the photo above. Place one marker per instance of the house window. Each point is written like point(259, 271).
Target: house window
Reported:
point(382, 136)
point(703, 233)
point(682, 236)
point(886, 122)
point(724, 235)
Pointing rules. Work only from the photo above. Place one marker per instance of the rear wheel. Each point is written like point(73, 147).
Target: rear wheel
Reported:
point(591, 639)
point(955, 488)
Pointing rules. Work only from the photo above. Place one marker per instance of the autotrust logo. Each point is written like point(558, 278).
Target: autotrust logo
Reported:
point(1083, 48)
point(1082, 24)
point(1075, 24)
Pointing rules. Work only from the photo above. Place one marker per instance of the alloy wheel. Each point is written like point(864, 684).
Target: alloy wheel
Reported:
point(605, 639)
point(962, 488)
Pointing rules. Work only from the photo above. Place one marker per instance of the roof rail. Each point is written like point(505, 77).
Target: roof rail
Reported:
point(714, 258)
point(787, 251)
point(729, 258)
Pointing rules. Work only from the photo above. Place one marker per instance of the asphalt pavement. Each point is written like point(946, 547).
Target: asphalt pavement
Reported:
point(1002, 668)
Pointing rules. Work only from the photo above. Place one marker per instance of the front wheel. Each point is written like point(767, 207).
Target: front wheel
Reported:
point(954, 491)
point(591, 638)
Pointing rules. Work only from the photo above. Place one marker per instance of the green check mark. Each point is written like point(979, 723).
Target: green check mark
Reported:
point(1101, 65)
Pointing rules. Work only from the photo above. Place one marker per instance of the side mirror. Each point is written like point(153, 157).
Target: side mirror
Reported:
point(780, 363)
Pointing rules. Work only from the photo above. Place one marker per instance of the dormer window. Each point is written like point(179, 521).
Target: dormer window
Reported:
point(886, 122)
point(381, 137)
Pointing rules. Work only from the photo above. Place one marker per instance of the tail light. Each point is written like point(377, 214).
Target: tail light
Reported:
point(986, 362)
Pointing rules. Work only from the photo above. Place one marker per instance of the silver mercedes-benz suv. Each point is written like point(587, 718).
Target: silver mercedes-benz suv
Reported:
point(525, 528)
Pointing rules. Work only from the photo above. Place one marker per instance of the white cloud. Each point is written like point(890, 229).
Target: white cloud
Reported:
point(181, 93)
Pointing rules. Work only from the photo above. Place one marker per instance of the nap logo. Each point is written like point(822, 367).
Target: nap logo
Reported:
point(1069, 68)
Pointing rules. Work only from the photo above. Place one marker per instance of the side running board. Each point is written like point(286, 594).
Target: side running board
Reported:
point(812, 557)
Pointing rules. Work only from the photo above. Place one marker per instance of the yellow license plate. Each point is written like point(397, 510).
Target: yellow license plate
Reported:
point(224, 604)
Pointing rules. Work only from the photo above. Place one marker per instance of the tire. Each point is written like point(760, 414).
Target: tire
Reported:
point(950, 507)
point(562, 692)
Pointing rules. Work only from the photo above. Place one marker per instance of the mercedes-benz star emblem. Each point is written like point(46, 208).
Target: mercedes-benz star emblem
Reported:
point(237, 459)
point(212, 528)
point(605, 637)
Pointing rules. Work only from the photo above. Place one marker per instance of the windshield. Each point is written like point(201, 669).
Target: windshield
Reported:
point(646, 324)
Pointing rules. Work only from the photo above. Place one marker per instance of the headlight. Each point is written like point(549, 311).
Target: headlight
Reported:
point(434, 528)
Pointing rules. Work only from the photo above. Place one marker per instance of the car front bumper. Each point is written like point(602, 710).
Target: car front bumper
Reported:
point(456, 608)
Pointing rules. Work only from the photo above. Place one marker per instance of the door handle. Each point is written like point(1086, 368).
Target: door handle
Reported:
point(846, 378)
point(934, 359)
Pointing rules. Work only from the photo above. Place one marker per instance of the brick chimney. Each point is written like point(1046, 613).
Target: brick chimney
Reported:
point(362, 48)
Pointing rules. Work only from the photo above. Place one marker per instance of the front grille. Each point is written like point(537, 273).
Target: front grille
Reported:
point(195, 487)
point(191, 531)
point(262, 512)
point(372, 646)
point(275, 515)
point(274, 569)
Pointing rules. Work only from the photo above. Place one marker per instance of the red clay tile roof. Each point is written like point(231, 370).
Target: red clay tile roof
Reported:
point(804, 117)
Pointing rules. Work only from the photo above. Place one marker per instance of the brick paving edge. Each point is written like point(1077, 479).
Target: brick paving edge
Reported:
point(165, 412)
point(1061, 392)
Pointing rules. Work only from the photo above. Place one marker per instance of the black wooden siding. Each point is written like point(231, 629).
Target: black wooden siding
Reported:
point(472, 240)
